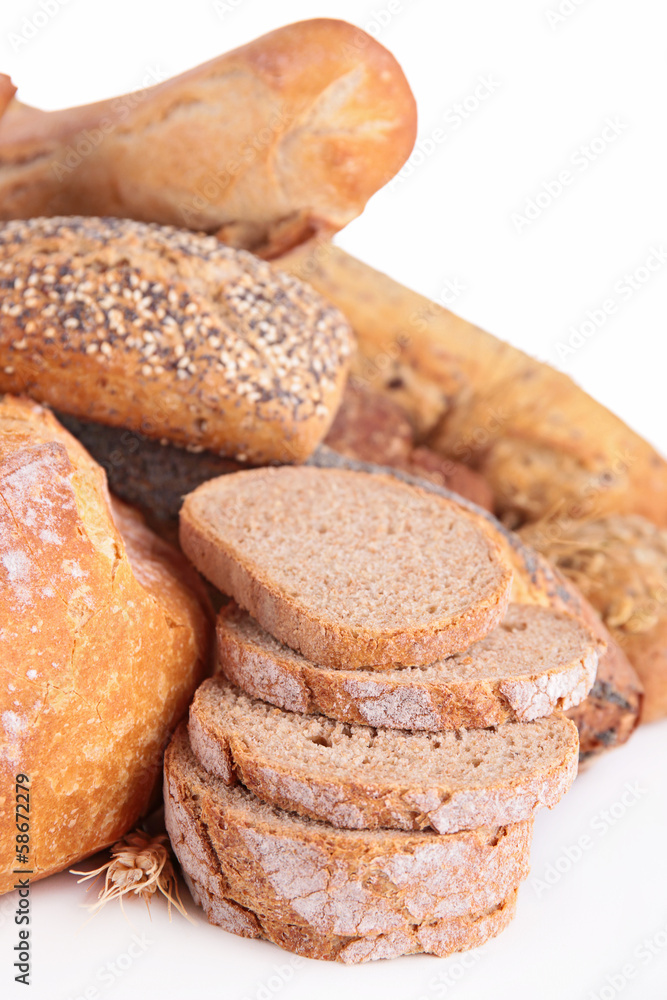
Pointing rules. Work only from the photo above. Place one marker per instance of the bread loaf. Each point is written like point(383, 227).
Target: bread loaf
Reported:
point(281, 138)
point(168, 333)
point(104, 636)
point(350, 569)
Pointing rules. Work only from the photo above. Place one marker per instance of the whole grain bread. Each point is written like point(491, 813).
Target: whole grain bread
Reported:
point(620, 563)
point(105, 633)
point(293, 870)
point(537, 660)
point(168, 333)
point(440, 937)
point(360, 777)
point(350, 569)
point(281, 138)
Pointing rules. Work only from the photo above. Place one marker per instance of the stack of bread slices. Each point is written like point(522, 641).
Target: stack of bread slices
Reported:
point(359, 779)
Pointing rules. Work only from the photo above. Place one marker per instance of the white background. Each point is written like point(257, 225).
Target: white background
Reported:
point(450, 220)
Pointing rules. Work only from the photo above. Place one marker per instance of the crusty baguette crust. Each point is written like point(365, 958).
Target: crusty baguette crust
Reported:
point(168, 333)
point(441, 938)
point(283, 137)
point(318, 637)
point(372, 802)
point(546, 448)
point(104, 636)
point(401, 699)
point(335, 882)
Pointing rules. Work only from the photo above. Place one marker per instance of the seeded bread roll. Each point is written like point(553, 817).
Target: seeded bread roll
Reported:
point(104, 636)
point(278, 139)
point(294, 870)
point(350, 569)
point(440, 937)
point(534, 662)
point(364, 778)
point(168, 333)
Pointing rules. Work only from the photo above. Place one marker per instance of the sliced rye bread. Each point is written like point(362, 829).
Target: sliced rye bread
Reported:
point(441, 937)
point(292, 870)
point(350, 569)
point(362, 778)
point(536, 661)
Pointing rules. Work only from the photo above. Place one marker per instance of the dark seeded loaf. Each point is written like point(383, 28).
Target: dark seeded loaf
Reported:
point(537, 660)
point(293, 870)
point(350, 569)
point(168, 333)
point(358, 777)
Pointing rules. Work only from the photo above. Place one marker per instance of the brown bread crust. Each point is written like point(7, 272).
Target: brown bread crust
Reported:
point(286, 136)
point(314, 632)
point(105, 635)
point(335, 882)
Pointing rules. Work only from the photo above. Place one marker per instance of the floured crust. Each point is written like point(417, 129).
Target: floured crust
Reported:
point(335, 882)
point(314, 629)
point(452, 695)
point(441, 938)
point(339, 774)
point(102, 643)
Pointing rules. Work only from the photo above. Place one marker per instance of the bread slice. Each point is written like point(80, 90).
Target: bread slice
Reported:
point(363, 778)
point(536, 661)
point(350, 569)
point(292, 870)
point(441, 937)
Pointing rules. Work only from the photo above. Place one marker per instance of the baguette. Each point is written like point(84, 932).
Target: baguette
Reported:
point(544, 446)
point(284, 137)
